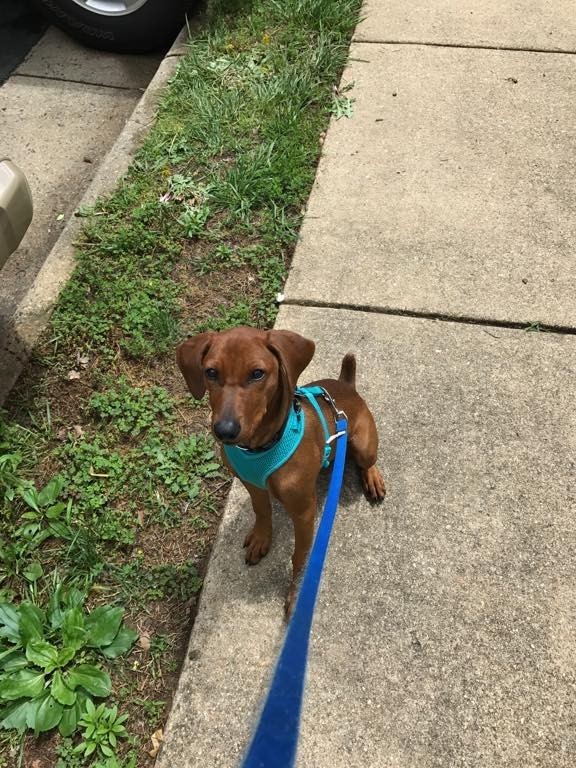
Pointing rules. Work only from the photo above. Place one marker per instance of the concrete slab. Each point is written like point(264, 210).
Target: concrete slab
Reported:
point(446, 627)
point(20, 330)
point(58, 133)
point(450, 190)
point(497, 23)
point(60, 57)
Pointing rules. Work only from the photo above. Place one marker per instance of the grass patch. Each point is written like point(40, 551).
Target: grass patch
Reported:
point(218, 187)
point(109, 483)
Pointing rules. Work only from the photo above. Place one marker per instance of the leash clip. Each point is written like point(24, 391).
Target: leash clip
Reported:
point(338, 415)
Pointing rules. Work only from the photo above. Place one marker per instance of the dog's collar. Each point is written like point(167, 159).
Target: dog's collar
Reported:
point(255, 465)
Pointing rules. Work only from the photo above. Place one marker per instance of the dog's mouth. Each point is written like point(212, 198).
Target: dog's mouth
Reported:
point(237, 443)
point(232, 442)
point(244, 442)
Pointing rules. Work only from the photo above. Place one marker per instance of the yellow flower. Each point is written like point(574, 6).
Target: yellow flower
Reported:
point(266, 38)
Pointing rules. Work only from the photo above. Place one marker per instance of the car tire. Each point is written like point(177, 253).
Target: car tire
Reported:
point(151, 26)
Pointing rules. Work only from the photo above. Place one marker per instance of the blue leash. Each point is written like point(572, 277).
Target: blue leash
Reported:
point(275, 740)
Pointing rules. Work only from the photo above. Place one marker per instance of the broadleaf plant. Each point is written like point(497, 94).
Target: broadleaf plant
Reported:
point(102, 729)
point(48, 677)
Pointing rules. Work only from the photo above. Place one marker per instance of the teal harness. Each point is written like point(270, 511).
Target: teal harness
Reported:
point(256, 466)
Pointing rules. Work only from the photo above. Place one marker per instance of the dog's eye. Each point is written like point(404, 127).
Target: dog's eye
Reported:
point(211, 374)
point(257, 374)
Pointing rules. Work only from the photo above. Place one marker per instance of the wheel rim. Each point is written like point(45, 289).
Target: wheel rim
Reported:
point(111, 7)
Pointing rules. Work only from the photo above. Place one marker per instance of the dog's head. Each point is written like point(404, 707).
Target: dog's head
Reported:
point(250, 376)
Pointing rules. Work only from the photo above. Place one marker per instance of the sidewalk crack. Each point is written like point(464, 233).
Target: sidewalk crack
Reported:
point(473, 46)
point(522, 325)
point(77, 82)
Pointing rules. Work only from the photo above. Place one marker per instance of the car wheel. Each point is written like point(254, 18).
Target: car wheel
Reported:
point(125, 26)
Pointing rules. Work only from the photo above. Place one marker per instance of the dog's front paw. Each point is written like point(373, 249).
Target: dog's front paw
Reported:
point(257, 544)
point(373, 483)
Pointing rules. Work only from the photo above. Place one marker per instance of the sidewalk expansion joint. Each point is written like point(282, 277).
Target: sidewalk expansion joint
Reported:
point(77, 82)
point(526, 325)
point(473, 46)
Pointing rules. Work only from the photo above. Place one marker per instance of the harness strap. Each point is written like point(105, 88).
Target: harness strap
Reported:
point(311, 393)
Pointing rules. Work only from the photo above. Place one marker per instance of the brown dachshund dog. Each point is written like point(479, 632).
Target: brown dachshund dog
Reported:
point(250, 376)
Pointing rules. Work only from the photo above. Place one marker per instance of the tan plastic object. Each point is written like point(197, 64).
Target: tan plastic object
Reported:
point(15, 208)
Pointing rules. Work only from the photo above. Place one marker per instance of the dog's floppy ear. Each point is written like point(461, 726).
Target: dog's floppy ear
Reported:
point(293, 351)
point(189, 356)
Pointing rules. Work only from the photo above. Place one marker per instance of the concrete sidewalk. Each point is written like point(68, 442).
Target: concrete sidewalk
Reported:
point(62, 110)
point(73, 119)
point(445, 634)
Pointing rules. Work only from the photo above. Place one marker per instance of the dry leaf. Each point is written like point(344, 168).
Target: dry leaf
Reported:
point(144, 641)
point(140, 516)
point(83, 360)
point(78, 431)
point(97, 474)
point(156, 740)
point(72, 375)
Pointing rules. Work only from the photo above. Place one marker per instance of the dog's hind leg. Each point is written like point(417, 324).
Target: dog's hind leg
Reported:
point(364, 450)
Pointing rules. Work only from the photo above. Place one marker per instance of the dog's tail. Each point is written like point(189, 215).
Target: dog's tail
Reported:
point(348, 370)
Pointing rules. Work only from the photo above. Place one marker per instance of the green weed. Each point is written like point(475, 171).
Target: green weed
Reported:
point(193, 219)
point(226, 317)
point(132, 410)
point(152, 709)
point(180, 467)
point(159, 644)
point(139, 584)
point(533, 327)
point(30, 518)
point(47, 677)
point(102, 728)
point(67, 756)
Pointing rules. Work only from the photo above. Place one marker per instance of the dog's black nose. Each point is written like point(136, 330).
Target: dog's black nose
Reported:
point(227, 429)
